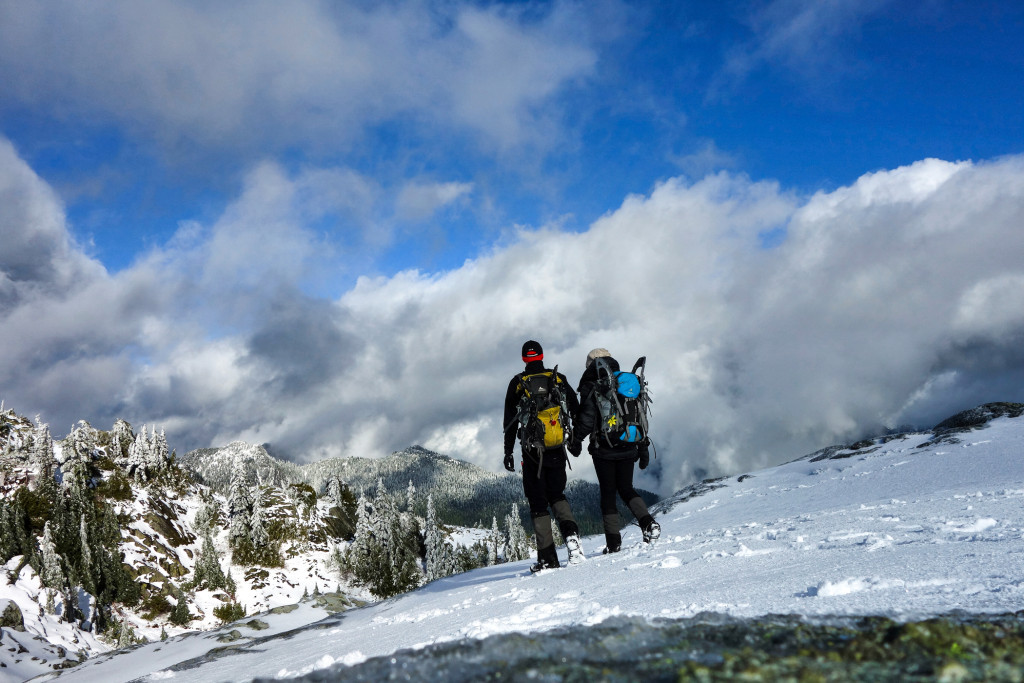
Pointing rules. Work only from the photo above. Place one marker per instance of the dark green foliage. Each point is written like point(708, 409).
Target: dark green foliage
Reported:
point(155, 605)
point(341, 520)
point(229, 612)
point(180, 615)
point(208, 573)
point(115, 487)
point(8, 542)
point(246, 553)
point(34, 508)
point(305, 494)
point(384, 555)
point(104, 464)
point(470, 558)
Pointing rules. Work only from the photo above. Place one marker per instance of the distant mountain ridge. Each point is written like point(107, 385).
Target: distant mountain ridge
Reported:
point(464, 494)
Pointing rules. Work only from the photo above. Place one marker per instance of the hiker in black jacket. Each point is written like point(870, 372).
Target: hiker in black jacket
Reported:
point(613, 461)
point(543, 468)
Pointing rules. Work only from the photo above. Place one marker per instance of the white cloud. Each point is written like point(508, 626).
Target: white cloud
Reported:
point(894, 299)
point(273, 74)
point(420, 200)
point(706, 159)
point(805, 37)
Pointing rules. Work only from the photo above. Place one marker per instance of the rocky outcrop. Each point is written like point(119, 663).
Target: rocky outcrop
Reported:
point(10, 616)
point(977, 417)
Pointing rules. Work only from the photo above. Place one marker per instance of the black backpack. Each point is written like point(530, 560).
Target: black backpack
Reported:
point(623, 402)
point(543, 414)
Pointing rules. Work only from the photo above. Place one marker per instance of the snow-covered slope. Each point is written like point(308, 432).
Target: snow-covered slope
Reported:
point(908, 526)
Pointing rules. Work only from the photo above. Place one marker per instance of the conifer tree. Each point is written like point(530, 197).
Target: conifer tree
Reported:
point(122, 437)
point(180, 615)
point(41, 452)
point(52, 575)
point(86, 556)
point(517, 546)
point(239, 506)
point(359, 549)
point(258, 530)
point(410, 498)
point(434, 542)
point(383, 554)
point(126, 637)
point(383, 514)
point(8, 539)
point(493, 542)
point(334, 490)
point(402, 559)
point(71, 601)
point(208, 573)
point(138, 456)
point(160, 448)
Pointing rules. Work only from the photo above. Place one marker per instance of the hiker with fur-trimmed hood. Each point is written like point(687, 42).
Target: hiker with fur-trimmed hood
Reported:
point(540, 407)
point(613, 459)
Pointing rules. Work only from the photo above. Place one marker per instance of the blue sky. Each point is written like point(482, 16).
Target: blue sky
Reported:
point(810, 94)
point(262, 188)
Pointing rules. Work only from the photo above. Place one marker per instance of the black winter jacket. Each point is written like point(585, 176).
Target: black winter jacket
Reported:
point(512, 403)
point(589, 420)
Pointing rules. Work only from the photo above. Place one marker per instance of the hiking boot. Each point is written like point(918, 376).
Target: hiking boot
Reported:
point(652, 532)
point(612, 542)
point(541, 565)
point(575, 549)
point(546, 559)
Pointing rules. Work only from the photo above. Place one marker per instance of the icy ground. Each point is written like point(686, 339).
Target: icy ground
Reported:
point(890, 529)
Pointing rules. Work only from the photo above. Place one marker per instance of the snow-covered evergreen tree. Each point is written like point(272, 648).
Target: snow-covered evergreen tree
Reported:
point(52, 574)
point(493, 543)
point(334, 490)
point(208, 572)
point(239, 506)
point(41, 453)
point(126, 637)
point(356, 557)
point(121, 438)
point(86, 561)
point(137, 454)
point(410, 498)
point(434, 542)
point(81, 440)
point(383, 514)
point(383, 552)
point(258, 524)
point(517, 547)
point(8, 542)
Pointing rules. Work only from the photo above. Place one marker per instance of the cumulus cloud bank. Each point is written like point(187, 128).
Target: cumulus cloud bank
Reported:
point(774, 324)
point(301, 72)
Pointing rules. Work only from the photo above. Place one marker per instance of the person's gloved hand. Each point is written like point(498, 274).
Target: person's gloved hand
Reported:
point(645, 456)
point(575, 447)
point(510, 462)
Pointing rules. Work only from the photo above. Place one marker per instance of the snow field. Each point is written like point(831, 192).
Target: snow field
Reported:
point(892, 530)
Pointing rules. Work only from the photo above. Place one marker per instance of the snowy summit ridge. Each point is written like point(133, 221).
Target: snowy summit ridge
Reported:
point(904, 526)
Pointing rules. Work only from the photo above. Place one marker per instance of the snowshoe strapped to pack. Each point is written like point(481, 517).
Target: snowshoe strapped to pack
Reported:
point(623, 401)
